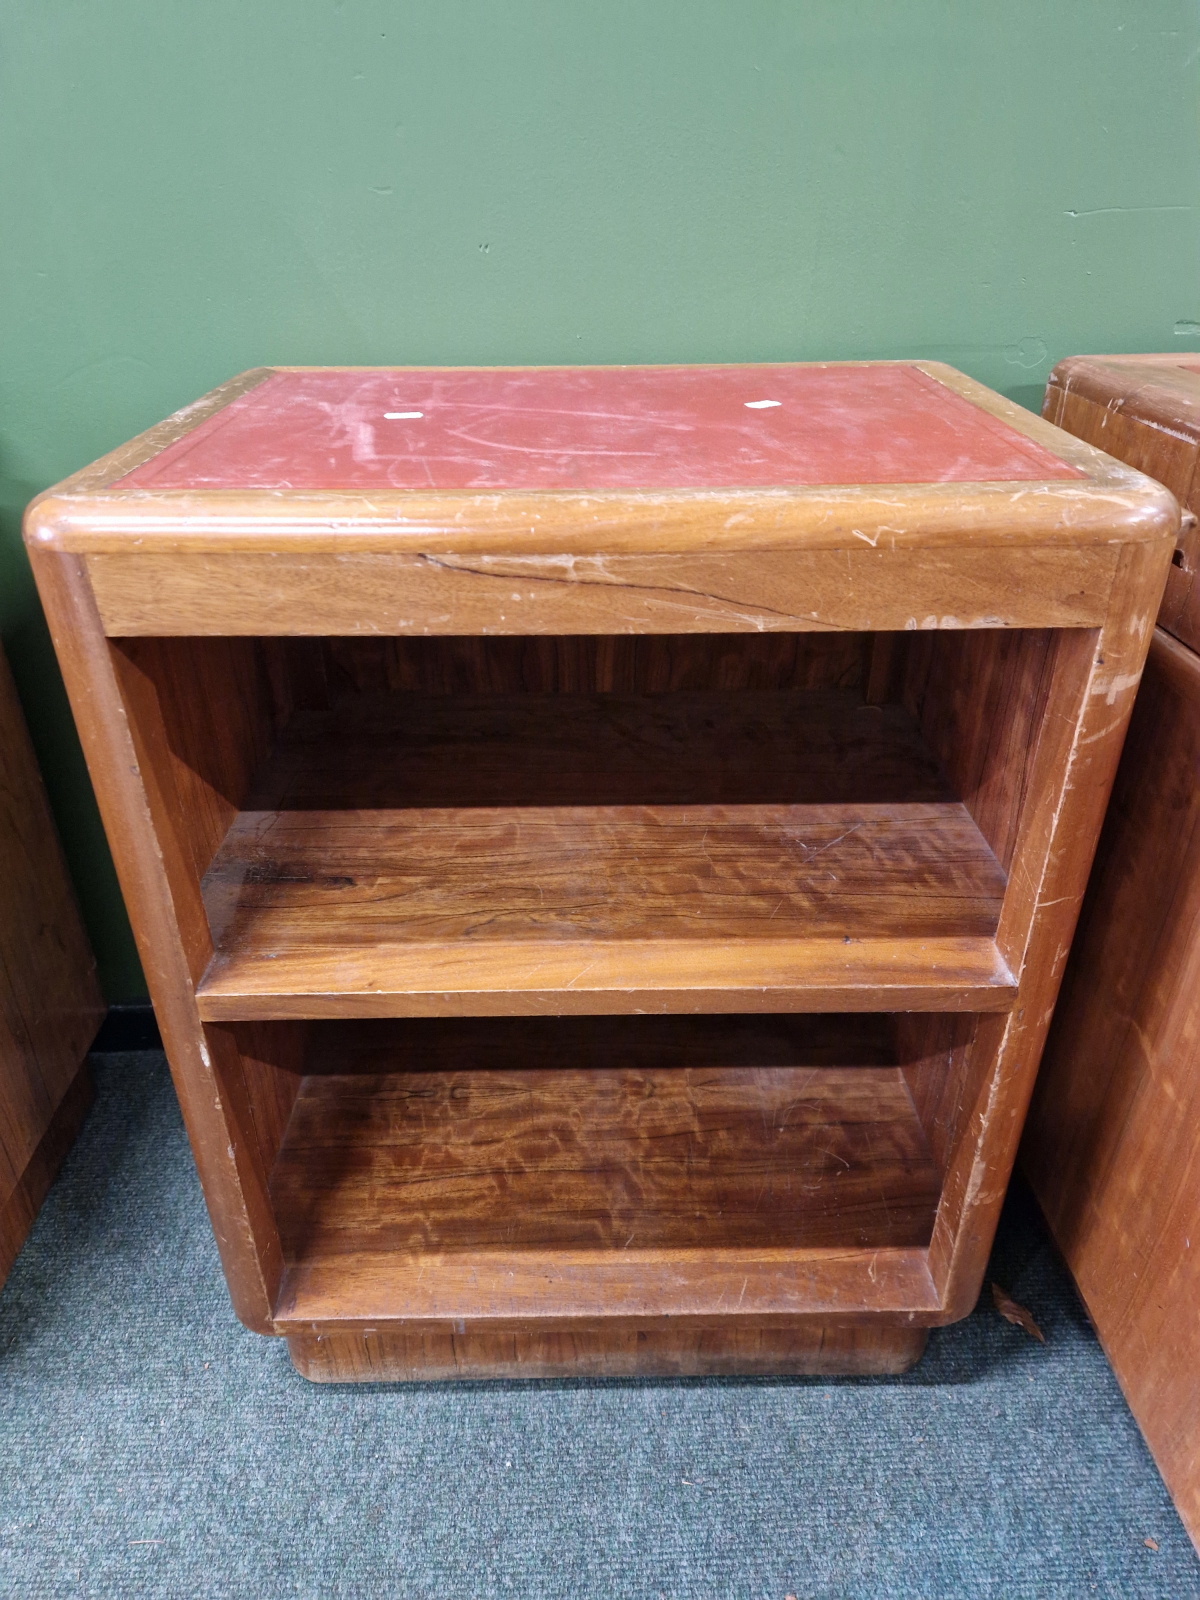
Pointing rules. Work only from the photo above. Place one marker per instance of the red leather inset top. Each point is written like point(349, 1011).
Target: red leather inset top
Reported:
point(596, 428)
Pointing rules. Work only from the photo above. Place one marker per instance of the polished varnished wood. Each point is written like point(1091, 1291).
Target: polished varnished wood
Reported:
point(507, 768)
point(1088, 499)
point(753, 591)
point(342, 670)
point(685, 748)
point(1145, 410)
point(599, 1351)
point(417, 1166)
point(1064, 790)
point(979, 699)
point(23, 1200)
point(50, 1002)
point(217, 716)
point(464, 1171)
point(120, 727)
point(731, 824)
point(1111, 1148)
point(933, 1051)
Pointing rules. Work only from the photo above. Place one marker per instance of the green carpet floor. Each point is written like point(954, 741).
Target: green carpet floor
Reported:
point(150, 1446)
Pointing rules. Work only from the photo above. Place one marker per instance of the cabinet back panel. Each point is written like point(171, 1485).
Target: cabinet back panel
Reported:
point(594, 663)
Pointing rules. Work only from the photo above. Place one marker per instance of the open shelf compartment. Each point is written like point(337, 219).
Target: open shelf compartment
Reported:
point(783, 844)
point(462, 1170)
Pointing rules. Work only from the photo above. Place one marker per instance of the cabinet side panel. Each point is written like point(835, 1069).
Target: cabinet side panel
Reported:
point(934, 1052)
point(218, 715)
point(1094, 680)
point(122, 736)
point(23, 1105)
point(50, 1002)
point(980, 698)
point(1139, 441)
point(272, 1061)
point(1111, 1148)
point(173, 833)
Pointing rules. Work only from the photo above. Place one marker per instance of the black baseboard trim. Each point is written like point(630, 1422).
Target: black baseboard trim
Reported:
point(127, 1027)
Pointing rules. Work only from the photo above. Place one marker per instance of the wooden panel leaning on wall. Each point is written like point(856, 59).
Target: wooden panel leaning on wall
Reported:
point(1112, 1148)
point(50, 1004)
point(560, 809)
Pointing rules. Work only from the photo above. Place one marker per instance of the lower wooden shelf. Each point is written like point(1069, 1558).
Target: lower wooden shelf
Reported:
point(731, 1167)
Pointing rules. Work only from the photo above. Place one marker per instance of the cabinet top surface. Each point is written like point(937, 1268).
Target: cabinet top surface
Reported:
point(581, 428)
point(1161, 388)
point(833, 451)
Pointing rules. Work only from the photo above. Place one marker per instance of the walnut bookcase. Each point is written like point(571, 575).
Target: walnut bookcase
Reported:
point(603, 842)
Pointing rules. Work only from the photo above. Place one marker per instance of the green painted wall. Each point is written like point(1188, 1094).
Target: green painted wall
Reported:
point(188, 190)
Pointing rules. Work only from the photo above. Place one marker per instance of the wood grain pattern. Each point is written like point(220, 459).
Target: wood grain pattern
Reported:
point(23, 1201)
point(683, 748)
point(217, 718)
point(555, 753)
point(50, 1002)
point(90, 513)
point(538, 664)
point(935, 1054)
point(270, 1059)
point(1145, 410)
point(1111, 1147)
point(601, 978)
point(721, 819)
point(1071, 768)
point(495, 1164)
point(120, 727)
point(755, 591)
point(562, 1289)
point(980, 700)
point(523, 902)
point(694, 1350)
point(1113, 504)
point(570, 1167)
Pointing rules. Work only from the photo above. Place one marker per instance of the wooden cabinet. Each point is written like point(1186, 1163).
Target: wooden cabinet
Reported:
point(1113, 1144)
point(603, 842)
point(50, 1005)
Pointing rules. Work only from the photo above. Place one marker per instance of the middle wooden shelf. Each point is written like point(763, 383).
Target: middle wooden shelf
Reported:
point(513, 854)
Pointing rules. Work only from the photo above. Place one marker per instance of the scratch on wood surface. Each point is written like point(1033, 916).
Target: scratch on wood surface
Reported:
point(579, 976)
point(1110, 688)
point(812, 854)
point(1104, 733)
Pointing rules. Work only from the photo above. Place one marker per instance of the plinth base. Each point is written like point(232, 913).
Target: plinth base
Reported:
point(821, 1349)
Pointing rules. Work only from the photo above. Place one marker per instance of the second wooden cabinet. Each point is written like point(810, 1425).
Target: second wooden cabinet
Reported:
point(1113, 1146)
